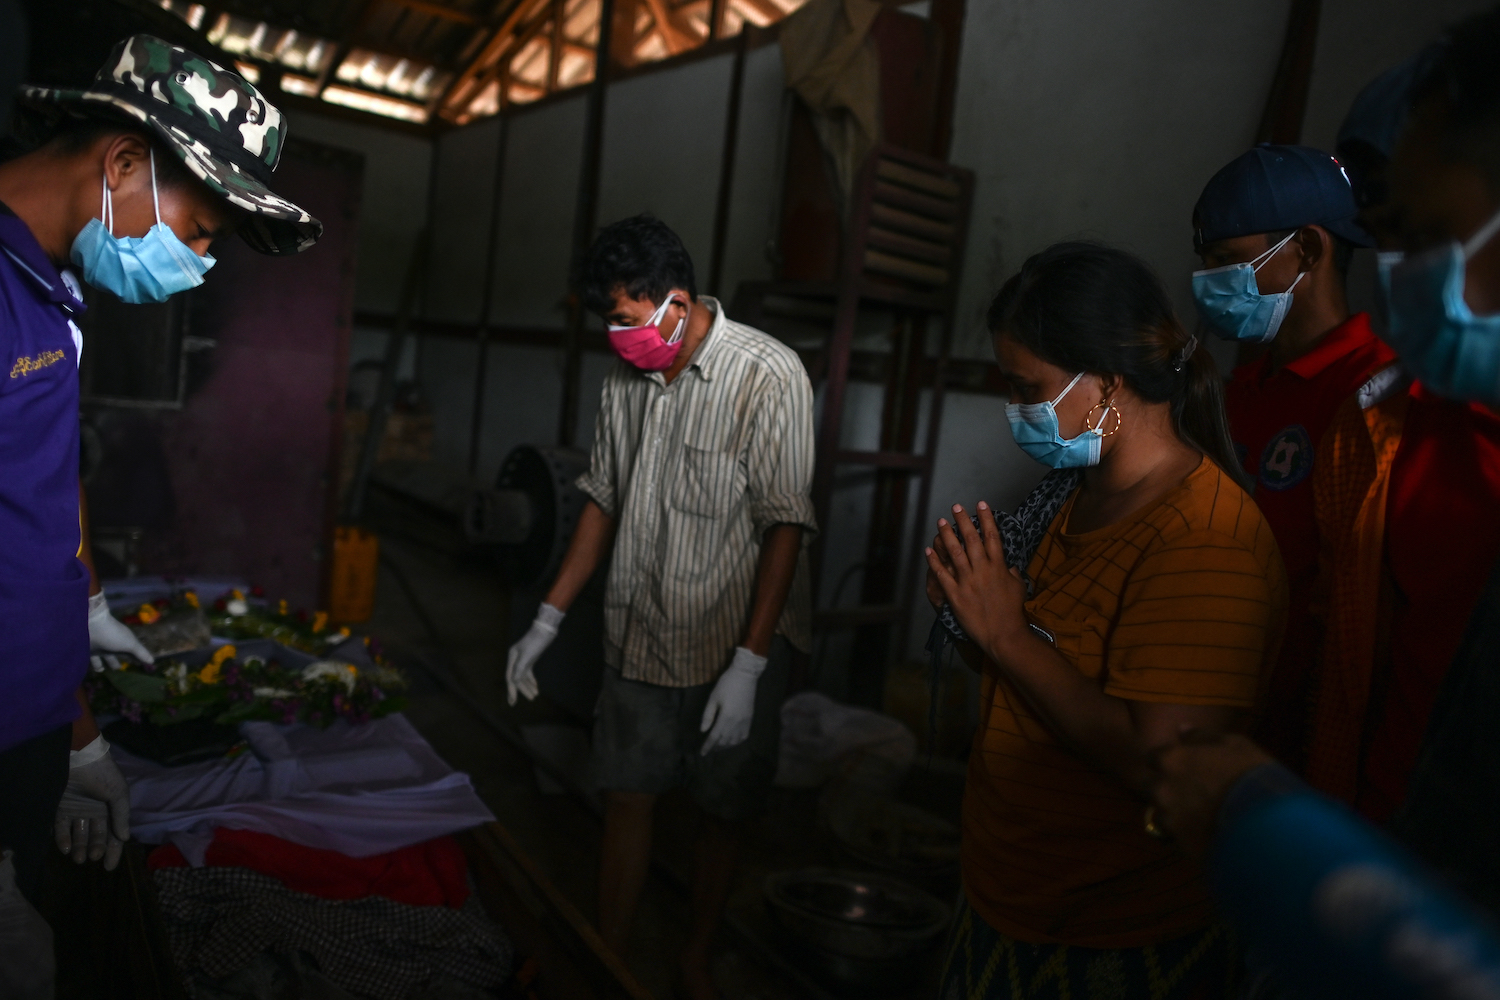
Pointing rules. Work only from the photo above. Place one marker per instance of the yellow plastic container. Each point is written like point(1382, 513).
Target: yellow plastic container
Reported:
point(356, 563)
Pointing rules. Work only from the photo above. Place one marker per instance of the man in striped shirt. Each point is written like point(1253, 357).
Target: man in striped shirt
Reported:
point(700, 484)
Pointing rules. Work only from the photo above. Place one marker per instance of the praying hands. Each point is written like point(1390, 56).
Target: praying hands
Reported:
point(966, 568)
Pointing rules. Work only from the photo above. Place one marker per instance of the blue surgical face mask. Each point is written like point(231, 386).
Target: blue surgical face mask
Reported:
point(1035, 428)
point(137, 268)
point(1230, 302)
point(1440, 340)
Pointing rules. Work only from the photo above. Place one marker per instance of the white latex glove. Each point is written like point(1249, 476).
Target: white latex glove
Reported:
point(93, 819)
point(28, 971)
point(107, 634)
point(731, 704)
point(520, 665)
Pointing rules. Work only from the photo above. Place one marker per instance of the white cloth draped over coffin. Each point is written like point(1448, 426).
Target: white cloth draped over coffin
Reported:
point(359, 790)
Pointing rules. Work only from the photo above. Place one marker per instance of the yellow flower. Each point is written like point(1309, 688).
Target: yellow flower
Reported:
point(344, 631)
point(352, 671)
point(210, 673)
point(320, 621)
point(148, 614)
point(237, 594)
point(221, 654)
point(191, 598)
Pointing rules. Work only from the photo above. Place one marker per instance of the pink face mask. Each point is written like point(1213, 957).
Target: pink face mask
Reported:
point(643, 346)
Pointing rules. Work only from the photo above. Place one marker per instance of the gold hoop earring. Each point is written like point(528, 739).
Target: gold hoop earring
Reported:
point(1109, 407)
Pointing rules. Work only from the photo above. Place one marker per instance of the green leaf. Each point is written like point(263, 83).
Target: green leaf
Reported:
point(243, 711)
point(202, 696)
point(389, 705)
point(139, 686)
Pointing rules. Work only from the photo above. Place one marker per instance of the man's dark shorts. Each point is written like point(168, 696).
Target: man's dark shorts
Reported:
point(647, 739)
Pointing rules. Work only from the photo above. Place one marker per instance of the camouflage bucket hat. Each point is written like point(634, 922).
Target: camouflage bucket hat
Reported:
point(225, 132)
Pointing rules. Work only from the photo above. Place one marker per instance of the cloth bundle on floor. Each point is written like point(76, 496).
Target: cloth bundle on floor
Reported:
point(220, 919)
point(433, 873)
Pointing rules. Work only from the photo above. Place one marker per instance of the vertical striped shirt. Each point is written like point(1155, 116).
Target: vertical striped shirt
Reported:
point(1183, 603)
point(693, 473)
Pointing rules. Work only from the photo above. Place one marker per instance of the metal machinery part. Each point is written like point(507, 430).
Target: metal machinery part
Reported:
point(498, 517)
point(530, 514)
point(528, 520)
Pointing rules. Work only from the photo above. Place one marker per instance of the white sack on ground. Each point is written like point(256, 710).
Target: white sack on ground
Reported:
point(822, 739)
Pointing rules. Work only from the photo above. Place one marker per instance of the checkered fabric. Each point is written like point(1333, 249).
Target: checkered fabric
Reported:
point(984, 964)
point(219, 919)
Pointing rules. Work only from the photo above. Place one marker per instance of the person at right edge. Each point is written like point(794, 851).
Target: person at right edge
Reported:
point(1276, 229)
point(1155, 601)
point(1334, 906)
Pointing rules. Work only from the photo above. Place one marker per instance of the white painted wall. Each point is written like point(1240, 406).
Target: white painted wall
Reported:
point(394, 204)
point(663, 147)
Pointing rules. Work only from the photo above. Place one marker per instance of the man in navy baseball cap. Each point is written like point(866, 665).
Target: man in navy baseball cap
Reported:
point(1275, 229)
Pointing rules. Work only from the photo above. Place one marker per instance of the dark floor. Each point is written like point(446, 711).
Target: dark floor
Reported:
point(463, 600)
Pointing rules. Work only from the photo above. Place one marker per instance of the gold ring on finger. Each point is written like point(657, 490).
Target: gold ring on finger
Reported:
point(1150, 824)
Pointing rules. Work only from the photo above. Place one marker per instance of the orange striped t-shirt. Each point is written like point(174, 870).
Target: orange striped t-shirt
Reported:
point(1181, 602)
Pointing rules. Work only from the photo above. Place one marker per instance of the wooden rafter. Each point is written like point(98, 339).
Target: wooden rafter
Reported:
point(440, 10)
point(559, 26)
point(381, 47)
point(765, 8)
point(676, 39)
point(466, 85)
point(501, 66)
point(341, 51)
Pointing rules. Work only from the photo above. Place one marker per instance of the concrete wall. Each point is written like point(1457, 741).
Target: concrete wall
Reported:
point(1079, 117)
point(395, 200)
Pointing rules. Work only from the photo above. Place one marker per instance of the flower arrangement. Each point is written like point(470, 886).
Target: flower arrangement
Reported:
point(237, 617)
point(228, 689)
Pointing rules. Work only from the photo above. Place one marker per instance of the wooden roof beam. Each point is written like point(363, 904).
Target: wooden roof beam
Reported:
point(464, 86)
point(676, 38)
point(765, 8)
point(501, 64)
point(440, 10)
point(345, 43)
point(559, 24)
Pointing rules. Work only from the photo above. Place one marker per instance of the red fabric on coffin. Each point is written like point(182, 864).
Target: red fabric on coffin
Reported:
point(433, 873)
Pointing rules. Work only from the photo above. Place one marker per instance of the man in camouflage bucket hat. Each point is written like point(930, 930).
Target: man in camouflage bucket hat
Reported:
point(225, 133)
point(96, 194)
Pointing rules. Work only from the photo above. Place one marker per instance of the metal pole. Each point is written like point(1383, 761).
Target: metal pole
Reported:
point(385, 396)
point(414, 285)
point(492, 253)
point(726, 166)
point(584, 220)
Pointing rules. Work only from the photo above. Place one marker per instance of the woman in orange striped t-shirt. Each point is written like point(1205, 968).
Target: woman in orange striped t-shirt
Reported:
point(1157, 595)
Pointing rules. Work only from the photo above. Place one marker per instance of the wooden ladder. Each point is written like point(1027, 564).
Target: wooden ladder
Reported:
point(902, 251)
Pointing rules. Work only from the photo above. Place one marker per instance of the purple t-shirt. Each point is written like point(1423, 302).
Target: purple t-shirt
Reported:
point(44, 587)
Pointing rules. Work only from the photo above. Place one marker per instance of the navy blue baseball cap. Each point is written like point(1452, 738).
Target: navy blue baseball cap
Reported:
point(1273, 188)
